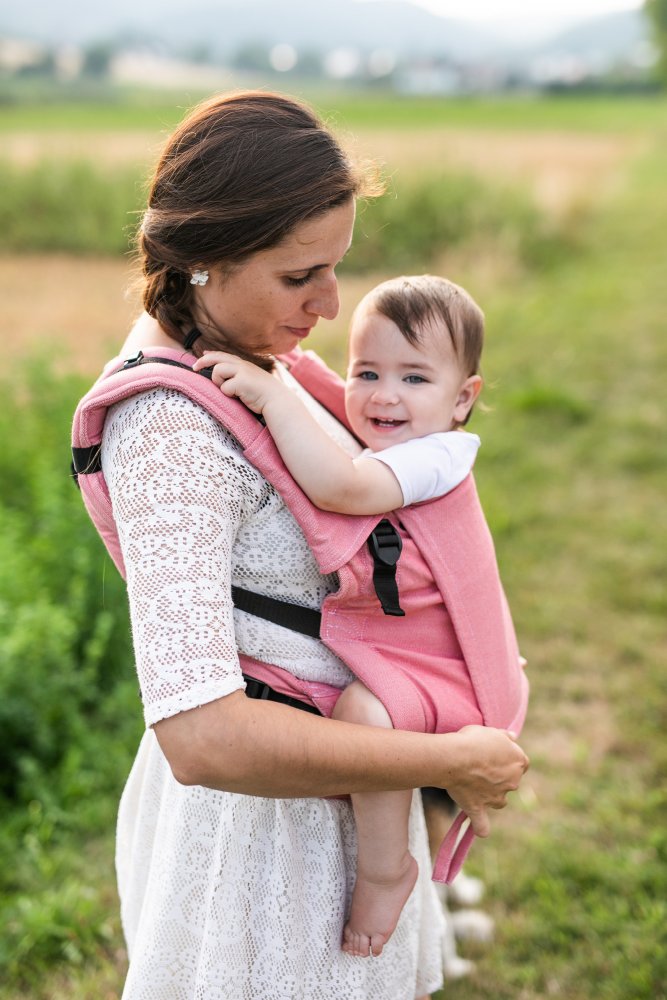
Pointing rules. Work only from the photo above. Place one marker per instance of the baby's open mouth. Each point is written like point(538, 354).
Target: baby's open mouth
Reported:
point(377, 422)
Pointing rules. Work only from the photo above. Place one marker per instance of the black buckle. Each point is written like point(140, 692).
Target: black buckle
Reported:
point(386, 545)
point(257, 690)
point(133, 361)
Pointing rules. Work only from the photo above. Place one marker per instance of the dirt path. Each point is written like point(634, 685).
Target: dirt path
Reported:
point(76, 307)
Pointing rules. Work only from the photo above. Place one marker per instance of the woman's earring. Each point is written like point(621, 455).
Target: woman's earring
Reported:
point(199, 277)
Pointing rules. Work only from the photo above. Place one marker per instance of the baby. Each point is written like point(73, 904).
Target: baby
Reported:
point(412, 381)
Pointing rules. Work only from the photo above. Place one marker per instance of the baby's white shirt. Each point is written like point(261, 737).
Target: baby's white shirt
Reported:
point(428, 467)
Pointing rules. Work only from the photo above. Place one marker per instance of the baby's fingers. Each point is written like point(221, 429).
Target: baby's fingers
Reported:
point(212, 358)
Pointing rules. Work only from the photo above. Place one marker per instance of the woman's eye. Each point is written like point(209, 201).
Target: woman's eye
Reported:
point(414, 379)
point(297, 282)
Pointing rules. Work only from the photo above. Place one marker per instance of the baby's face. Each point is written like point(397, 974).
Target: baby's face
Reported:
point(396, 391)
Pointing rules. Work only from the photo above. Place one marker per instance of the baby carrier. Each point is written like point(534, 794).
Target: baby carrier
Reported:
point(446, 539)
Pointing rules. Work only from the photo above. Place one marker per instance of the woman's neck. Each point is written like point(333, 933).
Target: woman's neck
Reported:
point(146, 333)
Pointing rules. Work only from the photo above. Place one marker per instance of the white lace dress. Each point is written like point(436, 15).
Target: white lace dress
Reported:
point(224, 896)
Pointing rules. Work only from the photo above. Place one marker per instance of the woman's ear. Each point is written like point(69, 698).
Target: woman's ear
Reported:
point(465, 400)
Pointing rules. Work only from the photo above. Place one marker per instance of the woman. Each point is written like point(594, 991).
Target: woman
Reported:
point(235, 864)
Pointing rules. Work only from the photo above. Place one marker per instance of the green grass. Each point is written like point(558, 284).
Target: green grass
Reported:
point(157, 111)
point(536, 113)
point(573, 470)
point(573, 474)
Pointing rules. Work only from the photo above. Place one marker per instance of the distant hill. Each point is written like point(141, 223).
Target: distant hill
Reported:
point(612, 34)
point(389, 24)
point(224, 26)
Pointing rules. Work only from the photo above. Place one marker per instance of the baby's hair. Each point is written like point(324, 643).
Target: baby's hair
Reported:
point(416, 301)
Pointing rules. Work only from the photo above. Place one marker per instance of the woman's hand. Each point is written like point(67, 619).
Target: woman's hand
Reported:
point(491, 765)
point(236, 377)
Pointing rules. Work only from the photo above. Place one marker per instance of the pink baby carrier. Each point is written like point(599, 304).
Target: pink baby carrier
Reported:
point(403, 654)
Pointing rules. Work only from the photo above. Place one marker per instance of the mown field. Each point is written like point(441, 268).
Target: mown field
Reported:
point(554, 214)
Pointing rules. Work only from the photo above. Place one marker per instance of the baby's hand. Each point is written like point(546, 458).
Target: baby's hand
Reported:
point(252, 385)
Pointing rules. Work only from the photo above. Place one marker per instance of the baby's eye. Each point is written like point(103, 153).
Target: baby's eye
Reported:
point(414, 379)
point(297, 282)
point(367, 376)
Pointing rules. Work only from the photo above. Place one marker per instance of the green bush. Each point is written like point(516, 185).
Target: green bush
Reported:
point(69, 712)
point(64, 637)
point(77, 208)
point(409, 227)
point(70, 206)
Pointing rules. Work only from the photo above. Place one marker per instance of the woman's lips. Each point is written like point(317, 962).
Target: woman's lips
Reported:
point(300, 331)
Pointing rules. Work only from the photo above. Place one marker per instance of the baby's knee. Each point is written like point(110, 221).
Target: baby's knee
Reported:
point(358, 704)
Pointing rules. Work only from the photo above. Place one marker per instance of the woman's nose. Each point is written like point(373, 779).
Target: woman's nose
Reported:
point(325, 301)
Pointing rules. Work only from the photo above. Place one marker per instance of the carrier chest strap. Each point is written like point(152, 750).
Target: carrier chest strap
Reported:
point(299, 619)
point(385, 545)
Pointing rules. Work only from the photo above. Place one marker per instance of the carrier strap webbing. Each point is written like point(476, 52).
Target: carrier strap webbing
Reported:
point(293, 616)
point(86, 461)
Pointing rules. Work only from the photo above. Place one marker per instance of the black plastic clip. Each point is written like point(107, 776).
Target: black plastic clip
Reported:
point(132, 362)
point(385, 545)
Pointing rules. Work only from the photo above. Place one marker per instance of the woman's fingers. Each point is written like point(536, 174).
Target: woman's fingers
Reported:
point(525, 760)
point(480, 822)
point(494, 766)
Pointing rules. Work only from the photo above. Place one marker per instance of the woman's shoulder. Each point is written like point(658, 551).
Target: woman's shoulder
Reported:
point(166, 411)
point(162, 437)
point(165, 422)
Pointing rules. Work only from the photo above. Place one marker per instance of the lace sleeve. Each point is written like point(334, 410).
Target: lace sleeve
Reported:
point(180, 490)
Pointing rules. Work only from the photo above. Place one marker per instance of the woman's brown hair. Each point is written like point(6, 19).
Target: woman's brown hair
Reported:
point(237, 176)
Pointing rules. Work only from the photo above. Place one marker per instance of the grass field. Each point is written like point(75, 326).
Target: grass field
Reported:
point(573, 473)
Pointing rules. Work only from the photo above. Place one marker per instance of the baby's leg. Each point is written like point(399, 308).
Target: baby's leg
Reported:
point(386, 871)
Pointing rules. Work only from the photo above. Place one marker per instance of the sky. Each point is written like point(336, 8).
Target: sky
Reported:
point(524, 20)
point(547, 10)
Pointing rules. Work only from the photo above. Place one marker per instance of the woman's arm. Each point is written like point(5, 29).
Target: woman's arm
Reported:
point(327, 475)
point(259, 748)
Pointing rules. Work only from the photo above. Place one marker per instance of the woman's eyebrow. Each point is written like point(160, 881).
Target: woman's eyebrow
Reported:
point(318, 267)
point(311, 267)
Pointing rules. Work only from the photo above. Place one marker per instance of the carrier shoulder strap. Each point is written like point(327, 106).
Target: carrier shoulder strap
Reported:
point(334, 538)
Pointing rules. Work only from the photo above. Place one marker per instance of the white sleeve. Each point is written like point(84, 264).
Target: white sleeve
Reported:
point(431, 466)
point(179, 493)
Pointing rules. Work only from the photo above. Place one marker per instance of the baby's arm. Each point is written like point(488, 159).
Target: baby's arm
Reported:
point(330, 478)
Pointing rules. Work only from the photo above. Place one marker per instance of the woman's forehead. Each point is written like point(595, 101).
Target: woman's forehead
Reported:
point(320, 241)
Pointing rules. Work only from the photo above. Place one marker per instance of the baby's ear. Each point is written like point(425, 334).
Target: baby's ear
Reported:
point(465, 401)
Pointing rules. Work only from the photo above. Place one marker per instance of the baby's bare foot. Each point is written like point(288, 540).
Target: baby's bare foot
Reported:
point(377, 903)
